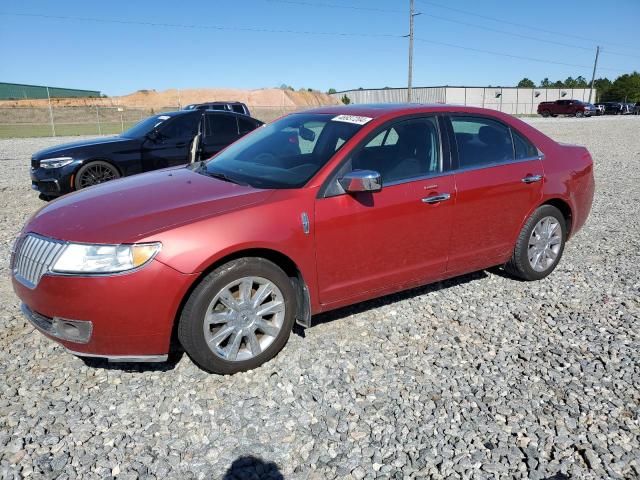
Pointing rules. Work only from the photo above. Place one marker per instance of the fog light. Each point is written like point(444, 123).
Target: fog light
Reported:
point(72, 330)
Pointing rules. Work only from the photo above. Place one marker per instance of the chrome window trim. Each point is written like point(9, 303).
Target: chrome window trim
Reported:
point(417, 179)
point(498, 164)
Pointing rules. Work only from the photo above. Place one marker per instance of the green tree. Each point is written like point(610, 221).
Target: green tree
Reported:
point(569, 82)
point(346, 100)
point(626, 88)
point(581, 82)
point(558, 84)
point(602, 86)
point(526, 83)
point(545, 83)
point(331, 90)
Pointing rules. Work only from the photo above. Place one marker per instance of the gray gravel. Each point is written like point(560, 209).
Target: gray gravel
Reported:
point(481, 376)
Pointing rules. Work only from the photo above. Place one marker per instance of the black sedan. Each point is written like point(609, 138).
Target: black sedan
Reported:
point(160, 141)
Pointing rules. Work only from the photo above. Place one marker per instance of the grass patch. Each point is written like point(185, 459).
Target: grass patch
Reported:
point(62, 129)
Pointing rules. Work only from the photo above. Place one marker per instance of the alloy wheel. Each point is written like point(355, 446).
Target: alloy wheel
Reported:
point(544, 244)
point(96, 174)
point(244, 319)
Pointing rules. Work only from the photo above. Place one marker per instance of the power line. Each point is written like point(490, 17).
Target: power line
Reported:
point(286, 31)
point(520, 57)
point(200, 27)
point(334, 5)
point(501, 20)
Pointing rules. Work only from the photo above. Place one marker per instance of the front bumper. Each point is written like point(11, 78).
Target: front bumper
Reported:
point(54, 181)
point(131, 315)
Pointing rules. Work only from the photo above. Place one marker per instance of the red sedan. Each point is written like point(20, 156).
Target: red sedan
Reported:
point(312, 212)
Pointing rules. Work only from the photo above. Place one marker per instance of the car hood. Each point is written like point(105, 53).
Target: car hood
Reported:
point(69, 148)
point(132, 208)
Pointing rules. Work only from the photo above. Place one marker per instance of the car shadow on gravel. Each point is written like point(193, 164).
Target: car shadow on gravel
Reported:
point(396, 297)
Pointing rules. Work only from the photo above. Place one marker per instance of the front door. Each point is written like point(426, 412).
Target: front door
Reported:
point(172, 144)
point(368, 242)
point(221, 129)
point(499, 180)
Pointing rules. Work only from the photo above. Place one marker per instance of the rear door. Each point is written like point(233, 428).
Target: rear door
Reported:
point(498, 176)
point(221, 129)
point(370, 242)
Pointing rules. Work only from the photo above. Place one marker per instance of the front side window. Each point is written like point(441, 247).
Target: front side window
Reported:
point(283, 154)
point(481, 141)
point(183, 126)
point(408, 149)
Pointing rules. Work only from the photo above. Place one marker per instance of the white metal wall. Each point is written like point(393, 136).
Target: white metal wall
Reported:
point(515, 101)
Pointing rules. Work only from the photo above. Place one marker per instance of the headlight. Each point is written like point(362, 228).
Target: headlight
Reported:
point(79, 258)
point(57, 162)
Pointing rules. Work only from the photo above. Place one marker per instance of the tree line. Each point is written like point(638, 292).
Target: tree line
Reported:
point(625, 88)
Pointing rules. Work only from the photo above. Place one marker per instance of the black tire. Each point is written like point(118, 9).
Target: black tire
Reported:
point(190, 325)
point(579, 114)
point(94, 173)
point(546, 113)
point(519, 265)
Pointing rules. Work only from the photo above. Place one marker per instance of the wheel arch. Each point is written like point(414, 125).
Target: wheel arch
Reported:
point(99, 159)
point(303, 314)
point(564, 208)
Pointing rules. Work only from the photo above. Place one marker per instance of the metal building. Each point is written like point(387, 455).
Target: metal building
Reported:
point(512, 100)
point(18, 91)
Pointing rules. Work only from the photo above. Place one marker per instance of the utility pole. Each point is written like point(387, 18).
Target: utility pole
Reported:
point(53, 125)
point(411, 15)
point(593, 76)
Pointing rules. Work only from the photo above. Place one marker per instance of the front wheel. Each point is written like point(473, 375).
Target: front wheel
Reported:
point(546, 113)
point(94, 173)
point(540, 244)
point(239, 316)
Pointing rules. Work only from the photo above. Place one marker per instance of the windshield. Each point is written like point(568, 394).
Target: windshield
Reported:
point(286, 153)
point(140, 129)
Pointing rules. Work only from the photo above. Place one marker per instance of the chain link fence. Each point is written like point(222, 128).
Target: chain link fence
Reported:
point(16, 122)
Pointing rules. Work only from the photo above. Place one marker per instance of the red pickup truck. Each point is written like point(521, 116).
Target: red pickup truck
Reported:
point(574, 108)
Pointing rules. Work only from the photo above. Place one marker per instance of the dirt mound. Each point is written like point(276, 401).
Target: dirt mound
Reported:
point(268, 97)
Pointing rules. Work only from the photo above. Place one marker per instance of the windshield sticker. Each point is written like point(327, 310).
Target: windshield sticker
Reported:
point(352, 119)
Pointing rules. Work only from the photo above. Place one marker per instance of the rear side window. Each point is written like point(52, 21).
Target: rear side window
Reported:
point(523, 147)
point(245, 126)
point(221, 127)
point(237, 108)
point(481, 141)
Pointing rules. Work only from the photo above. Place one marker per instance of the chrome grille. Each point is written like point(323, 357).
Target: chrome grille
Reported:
point(34, 257)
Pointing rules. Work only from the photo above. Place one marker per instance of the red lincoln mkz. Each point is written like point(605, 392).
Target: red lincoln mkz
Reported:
point(315, 211)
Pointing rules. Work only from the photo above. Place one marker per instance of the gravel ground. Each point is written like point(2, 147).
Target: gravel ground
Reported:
point(480, 376)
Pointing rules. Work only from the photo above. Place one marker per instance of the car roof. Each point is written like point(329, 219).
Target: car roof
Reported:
point(214, 112)
point(376, 110)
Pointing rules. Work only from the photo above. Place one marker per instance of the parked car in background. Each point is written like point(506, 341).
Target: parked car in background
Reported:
point(613, 108)
point(628, 108)
point(237, 107)
point(315, 211)
point(600, 108)
point(575, 108)
point(636, 108)
point(165, 140)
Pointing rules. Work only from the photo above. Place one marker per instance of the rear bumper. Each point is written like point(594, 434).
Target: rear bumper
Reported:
point(131, 316)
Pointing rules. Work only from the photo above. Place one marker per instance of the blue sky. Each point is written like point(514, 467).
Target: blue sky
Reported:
point(118, 58)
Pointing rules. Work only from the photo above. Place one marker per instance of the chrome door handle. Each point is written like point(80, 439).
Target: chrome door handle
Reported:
point(532, 178)
point(437, 198)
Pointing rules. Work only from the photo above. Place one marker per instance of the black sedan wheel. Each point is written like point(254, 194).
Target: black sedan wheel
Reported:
point(94, 173)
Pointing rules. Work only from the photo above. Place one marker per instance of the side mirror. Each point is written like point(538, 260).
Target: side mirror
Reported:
point(361, 181)
point(153, 135)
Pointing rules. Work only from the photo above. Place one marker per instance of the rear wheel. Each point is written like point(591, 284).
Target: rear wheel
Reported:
point(579, 114)
point(239, 317)
point(540, 244)
point(94, 173)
